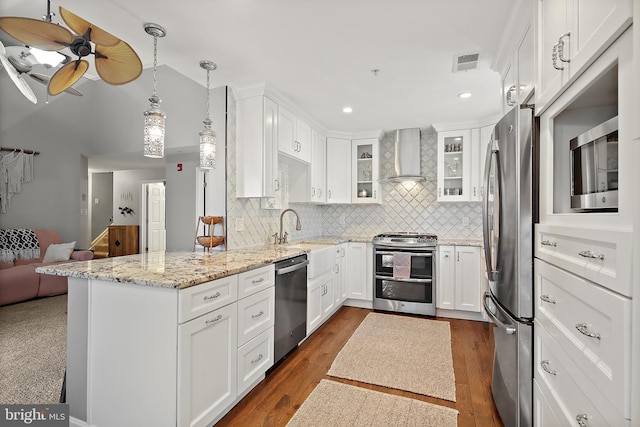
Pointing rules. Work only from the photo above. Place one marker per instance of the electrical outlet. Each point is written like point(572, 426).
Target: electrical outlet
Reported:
point(240, 224)
point(465, 221)
point(343, 220)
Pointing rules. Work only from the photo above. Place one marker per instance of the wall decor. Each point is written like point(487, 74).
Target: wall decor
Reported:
point(16, 168)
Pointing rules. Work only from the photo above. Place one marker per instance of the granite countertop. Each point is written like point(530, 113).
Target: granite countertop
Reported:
point(185, 269)
point(459, 242)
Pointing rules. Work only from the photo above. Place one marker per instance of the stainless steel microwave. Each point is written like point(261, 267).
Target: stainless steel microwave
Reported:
point(594, 168)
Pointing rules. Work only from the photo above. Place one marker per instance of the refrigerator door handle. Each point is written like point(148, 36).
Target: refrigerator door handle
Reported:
point(487, 218)
point(509, 330)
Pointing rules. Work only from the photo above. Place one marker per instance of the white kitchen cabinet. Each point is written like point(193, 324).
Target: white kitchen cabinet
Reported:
point(207, 366)
point(359, 279)
point(294, 135)
point(365, 170)
point(571, 35)
point(338, 170)
point(340, 273)
point(318, 167)
point(480, 140)
point(257, 148)
point(320, 300)
point(458, 283)
point(254, 358)
point(255, 314)
point(454, 165)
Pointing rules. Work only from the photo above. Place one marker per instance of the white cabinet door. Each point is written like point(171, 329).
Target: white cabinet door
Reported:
point(314, 304)
point(302, 146)
point(340, 271)
point(468, 278)
point(257, 147)
point(454, 166)
point(509, 88)
point(365, 171)
point(480, 140)
point(338, 170)
point(458, 285)
point(358, 285)
point(255, 314)
point(287, 132)
point(318, 192)
point(571, 35)
point(254, 358)
point(327, 295)
point(207, 366)
point(525, 65)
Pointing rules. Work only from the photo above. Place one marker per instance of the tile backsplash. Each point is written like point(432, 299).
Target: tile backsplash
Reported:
point(405, 207)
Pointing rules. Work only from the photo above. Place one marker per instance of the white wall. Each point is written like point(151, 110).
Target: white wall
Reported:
point(180, 196)
point(127, 186)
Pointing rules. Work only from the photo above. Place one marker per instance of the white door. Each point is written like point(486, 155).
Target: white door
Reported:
point(156, 233)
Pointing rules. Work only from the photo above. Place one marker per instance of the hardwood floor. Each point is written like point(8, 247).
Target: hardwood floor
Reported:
point(274, 401)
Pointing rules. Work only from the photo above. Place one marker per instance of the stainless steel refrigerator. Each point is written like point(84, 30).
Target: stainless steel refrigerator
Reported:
point(508, 216)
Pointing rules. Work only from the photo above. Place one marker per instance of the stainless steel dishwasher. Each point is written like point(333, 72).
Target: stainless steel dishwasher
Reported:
point(291, 305)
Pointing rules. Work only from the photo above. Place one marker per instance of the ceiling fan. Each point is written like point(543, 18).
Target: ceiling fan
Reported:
point(21, 62)
point(116, 62)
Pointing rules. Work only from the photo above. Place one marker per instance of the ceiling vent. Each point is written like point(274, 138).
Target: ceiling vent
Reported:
point(468, 61)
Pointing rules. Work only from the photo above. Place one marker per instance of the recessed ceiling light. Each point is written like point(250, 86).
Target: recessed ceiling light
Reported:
point(347, 110)
point(464, 95)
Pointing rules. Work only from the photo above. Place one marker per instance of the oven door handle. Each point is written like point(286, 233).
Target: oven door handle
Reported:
point(415, 254)
point(391, 278)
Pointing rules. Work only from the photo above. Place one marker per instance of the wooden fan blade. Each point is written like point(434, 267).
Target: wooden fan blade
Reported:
point(33, 32)
point(44, 79)
point(67, 76)
point(18, 80)
point(118, 64)
point(80, 26)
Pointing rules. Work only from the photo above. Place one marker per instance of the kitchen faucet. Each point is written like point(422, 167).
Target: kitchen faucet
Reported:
point(283, 238)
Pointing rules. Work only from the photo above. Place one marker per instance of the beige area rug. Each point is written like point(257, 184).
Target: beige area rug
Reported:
point(33, 345)
point(405, 353)
point(335, 404)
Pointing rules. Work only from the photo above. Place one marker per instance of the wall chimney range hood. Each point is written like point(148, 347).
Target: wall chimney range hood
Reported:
point(407, 156)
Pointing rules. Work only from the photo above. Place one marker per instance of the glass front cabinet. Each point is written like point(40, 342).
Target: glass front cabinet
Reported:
point(365, 170)
point(454, 166)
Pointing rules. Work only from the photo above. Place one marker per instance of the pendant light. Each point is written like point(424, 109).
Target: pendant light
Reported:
point(154, 118)
point(207, 136)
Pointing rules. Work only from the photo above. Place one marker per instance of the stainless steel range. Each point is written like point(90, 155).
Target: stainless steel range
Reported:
point(404, 272)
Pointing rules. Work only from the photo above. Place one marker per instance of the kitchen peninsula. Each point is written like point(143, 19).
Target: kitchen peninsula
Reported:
point(169, 338)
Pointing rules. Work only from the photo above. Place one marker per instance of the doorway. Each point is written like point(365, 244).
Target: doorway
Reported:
point(152, 225)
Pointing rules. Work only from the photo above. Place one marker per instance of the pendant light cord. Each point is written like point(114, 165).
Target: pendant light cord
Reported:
point(155, 63)
point(208, 103)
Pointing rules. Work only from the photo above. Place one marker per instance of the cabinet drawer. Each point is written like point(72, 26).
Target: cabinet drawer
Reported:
point(255, 314)
point(252, 281)
point(571, 389)
point(565, 306)
point(200, 299)
point(604, 257)
point(254, 358)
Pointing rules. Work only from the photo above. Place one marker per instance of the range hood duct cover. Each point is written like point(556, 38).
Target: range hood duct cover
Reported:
point(407, 156)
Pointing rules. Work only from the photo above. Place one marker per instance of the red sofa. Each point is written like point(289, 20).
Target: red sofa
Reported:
point(19, 280)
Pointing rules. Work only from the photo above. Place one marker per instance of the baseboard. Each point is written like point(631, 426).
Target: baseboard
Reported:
point(359, 303)
point(75, 422)
point(459, 314)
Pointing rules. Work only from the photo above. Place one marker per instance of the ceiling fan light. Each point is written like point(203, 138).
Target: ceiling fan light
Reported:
point(50, 58)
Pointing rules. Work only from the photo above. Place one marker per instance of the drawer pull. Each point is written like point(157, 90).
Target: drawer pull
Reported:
point(257, 359)
point(255, 316)
point(589, 254)
point(547, 298)
point(260, 280)
point(214, 320)
point(548, 243)
point(208, 298)
point(545, 366)
point(582, 420)
point(582, 327)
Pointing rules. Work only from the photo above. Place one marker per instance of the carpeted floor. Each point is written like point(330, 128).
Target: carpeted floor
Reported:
point(333, 404)
point(33, 342)
point(405, 353)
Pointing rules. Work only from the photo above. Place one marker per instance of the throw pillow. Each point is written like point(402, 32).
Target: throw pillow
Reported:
point(59, 252)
